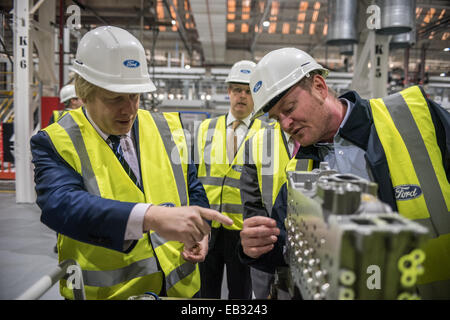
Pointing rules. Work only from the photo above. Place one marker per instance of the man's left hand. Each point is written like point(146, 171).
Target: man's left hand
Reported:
point(197, 253)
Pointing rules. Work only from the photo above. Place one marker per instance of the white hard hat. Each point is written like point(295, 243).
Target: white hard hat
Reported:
point(276, 72)
point(240, 72)
point(113, 59)
point(67, 92)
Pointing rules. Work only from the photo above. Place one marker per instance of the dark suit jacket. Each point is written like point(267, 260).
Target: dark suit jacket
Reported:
point(69, 209)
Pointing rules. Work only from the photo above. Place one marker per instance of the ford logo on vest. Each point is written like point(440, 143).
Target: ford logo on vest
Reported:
point(407, 192)
point(131, 63)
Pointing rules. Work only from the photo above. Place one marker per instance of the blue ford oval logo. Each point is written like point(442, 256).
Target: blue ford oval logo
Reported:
point(167, 204)
point(131, 63)
point(245, 71)
point(237, 168)
point(407, 192)
point(257, 86)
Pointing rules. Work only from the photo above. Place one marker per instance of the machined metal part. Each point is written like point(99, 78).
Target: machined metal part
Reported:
point(344, 243)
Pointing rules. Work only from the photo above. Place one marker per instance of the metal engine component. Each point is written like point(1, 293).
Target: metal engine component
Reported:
point(344, 243)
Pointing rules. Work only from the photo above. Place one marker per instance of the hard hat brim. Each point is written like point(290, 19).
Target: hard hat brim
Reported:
point(119, 88)
point(271, 103)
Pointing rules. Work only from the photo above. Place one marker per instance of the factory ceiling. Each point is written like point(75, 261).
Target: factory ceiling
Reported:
point(217, 33)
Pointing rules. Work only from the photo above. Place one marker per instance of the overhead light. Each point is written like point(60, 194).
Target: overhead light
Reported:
point(446, 49)
point(442, 74)
point(266, 23)
point(174, 22)
point(187, 67)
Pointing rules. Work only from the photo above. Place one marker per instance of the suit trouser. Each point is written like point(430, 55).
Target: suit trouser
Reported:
point(222, 251)
point(261, 282)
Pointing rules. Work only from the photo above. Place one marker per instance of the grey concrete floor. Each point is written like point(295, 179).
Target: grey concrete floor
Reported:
point(26, 249)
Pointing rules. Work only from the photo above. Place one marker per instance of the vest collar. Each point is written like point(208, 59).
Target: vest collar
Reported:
point(357, 128)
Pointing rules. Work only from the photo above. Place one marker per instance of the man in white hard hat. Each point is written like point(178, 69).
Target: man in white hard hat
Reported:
point(69, 98)
point(219, 141)
point(111, 181)
point(402, 142)
point(269, 152)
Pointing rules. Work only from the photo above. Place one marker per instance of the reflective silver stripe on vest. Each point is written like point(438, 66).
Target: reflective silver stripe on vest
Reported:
point(267, 168)
point(248, 151)
point(73, 130)
point(232, 208)
point(228, 207)
point(179, 274)
point(108, 278)
point(215, 206)
point(209, 145)
point(211, 181)
point(407, 127)
point(232, 182)
point(156, 240)
point(302, 165)
point(169, 144)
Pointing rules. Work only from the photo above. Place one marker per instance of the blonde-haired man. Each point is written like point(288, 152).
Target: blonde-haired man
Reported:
point(111, 181)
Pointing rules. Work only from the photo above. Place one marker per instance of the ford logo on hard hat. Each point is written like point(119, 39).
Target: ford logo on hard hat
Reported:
point(407, 192)
point(131, 63)
point(245, 71)
point(257, 86)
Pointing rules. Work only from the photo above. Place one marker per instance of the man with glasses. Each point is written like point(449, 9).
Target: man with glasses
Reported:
point(219, 143)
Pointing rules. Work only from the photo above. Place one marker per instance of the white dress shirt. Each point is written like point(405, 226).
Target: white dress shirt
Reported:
point(241, 130)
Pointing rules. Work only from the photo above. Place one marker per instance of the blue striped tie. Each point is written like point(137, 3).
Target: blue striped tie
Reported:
point(117, 148)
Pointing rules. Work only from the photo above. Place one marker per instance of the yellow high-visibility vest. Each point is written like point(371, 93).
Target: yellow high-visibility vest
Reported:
point(109, 274)
point(271, 157)
point(221, 176)
point(406, 131)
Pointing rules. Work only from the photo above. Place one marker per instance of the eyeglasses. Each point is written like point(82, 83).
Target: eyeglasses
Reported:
point(238, 90)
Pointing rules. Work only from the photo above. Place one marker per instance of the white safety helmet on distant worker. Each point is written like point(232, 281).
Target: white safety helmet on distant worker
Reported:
point(278, 71)
point(67, 92)
point(240, 72)
point(113, 59)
